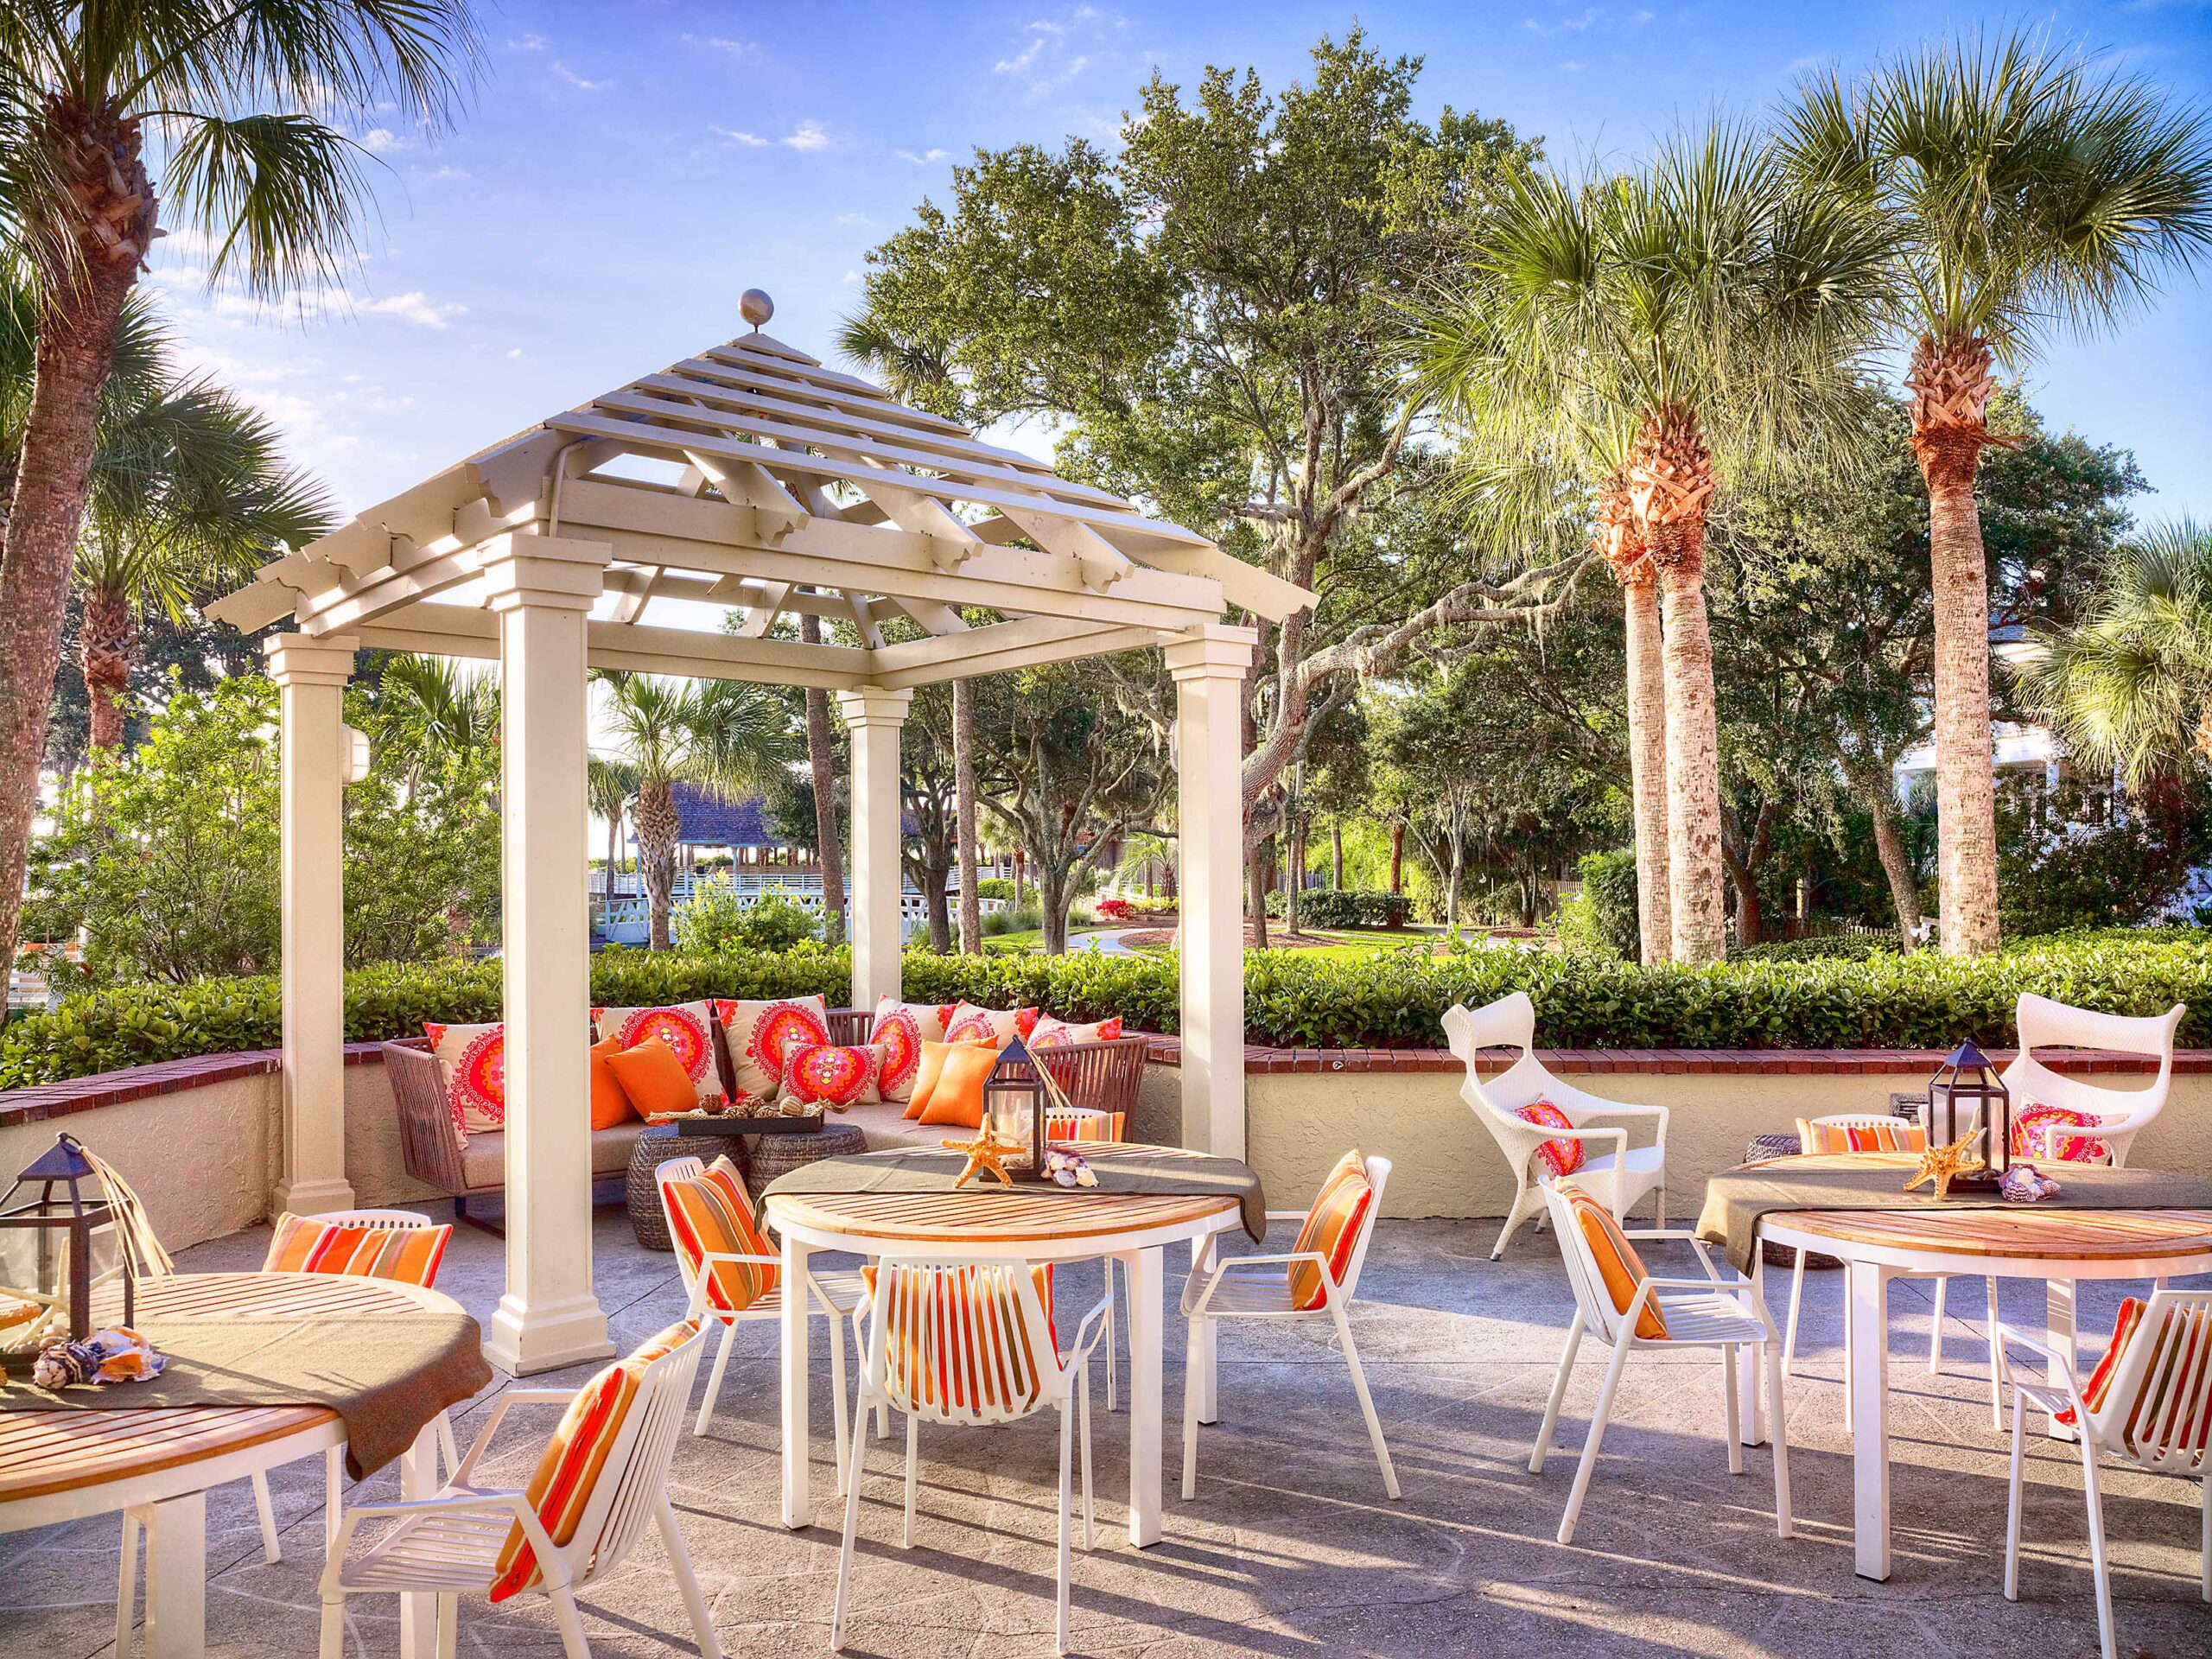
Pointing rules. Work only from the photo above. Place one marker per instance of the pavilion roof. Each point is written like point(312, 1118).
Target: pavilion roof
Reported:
point(753, 479)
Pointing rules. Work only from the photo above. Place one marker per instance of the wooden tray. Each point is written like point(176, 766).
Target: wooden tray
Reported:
point(701, 1124)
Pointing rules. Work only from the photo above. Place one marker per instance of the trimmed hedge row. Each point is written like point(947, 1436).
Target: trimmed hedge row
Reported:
point(1388, 999)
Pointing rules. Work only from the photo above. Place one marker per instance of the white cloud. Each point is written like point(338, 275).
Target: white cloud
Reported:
point(808, 136)
point(922, 160)
point(722, 43)
point(1571, 67)
point(528, 43)
point(852, 276)
point(443, 173)
point(854, 221)
point(578, 81)
point(415, 306)
point(381, 141)
point(514, 353)
point(730, 135)
point(1041, 43)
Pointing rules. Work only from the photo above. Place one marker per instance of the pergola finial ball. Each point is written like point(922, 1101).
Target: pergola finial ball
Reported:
point(755, 307)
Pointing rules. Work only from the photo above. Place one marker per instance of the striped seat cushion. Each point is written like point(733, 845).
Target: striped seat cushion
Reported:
point(1332, 1230)
point(1561, 1157)
point(574, 1459)
point(2175, 1367)
point(959, 1343)
point(1895, 1135)
point(2039, 1131)
point(1617, 1263)
point(358, 1250)
point(709, 1215)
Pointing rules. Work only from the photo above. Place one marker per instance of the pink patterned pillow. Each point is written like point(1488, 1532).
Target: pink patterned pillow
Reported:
point(2037, 1133)
point(1561, 1157)
point(760, 1034)
point(474, 1061)
point(818, 1074)
point(901, 1029)
point(967, 1024)
point(1049, 1032)
point(686, 1028)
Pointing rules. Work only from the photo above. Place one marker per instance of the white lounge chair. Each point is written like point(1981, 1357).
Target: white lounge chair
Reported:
point(1614, 1172)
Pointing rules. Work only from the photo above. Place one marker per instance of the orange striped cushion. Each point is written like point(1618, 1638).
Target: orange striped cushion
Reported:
point(1332, 1229)
point(309, 1244)
point(570, 1466)
point(1618, 1264)
point(1561, 1157)
point(1081, 1123)
point(1898, 1136)
point(710, 1215)
point(955, 1325)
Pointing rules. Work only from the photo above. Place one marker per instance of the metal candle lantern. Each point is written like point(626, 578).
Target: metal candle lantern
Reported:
point(55, 1229)
point(1966, 1096)
point(1014, 1107)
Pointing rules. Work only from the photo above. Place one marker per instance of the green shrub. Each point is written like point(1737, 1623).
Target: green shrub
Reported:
point(994, 887)
point(714, 920)
point(1385, 999)
point(1346, 908)
point(1603, 915)
point(1840, 947)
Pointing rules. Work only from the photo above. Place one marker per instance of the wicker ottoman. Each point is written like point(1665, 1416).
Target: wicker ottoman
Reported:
point(1777, 1256)
point(655, 1147)
point(778, 1154)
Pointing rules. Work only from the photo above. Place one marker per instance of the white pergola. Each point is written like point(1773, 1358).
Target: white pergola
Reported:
point(755, 480)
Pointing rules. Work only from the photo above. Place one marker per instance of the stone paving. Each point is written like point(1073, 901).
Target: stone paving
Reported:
point(1290, 1546)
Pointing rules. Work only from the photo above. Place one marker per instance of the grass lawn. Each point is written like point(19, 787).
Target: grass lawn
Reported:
point(1032, 938)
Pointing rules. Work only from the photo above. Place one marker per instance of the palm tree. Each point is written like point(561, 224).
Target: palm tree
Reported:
point(612, 785)
point(723, 736)
point(430, 707)
point(2129, 686)
point(1635, 323)
point(234, 95)
point(2026, 189)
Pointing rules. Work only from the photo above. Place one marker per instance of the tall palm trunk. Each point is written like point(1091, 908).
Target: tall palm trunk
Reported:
point(1950, 382)
point(112, 206)
point(107, 650)
point(657, 831)
point(965, 830)
point(821, 760)
point(1620, 540)
point(1670, 480)
point(613, 848)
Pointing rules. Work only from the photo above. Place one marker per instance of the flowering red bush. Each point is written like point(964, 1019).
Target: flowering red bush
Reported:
point(1112, 910)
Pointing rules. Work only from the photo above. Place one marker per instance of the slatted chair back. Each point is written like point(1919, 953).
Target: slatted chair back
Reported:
point(2122, 1112)
point(849, 1028)
point(962, 1339)
point(1378, 1178)
point(2158, 1408)
point(708, 1212)
point(1860, 1132)
point(634, 1477)
point(347, 1242)
point(1080, 1123)
point(429, 1145)
point(1593, 1298)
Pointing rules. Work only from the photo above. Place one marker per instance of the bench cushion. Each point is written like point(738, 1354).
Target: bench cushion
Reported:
point(484, 1160)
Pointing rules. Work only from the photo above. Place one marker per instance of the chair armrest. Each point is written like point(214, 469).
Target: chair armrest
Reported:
point(507, 1401)
point(1286, 1215)
point(1088, 1328)
point(514, 1506)
point(1197, 1309)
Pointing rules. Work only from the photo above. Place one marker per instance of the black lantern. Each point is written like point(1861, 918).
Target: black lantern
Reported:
point(1967, 1097)
point(1014, 1107)
point(46, 1240)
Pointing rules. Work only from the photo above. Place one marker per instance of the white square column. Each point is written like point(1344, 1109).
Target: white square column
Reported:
point(1209, 664)
point(542, 588)
point(874, 718)
point(311, 675)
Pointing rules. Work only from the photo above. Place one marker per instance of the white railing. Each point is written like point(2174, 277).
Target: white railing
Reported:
point(625, 920)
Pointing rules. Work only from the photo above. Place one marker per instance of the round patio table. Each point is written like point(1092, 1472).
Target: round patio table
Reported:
point(63, 1466)
point(2059, 1246)
point(1033, 1226)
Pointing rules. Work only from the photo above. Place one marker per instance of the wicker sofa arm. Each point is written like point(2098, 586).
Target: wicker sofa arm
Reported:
point(427, 1144)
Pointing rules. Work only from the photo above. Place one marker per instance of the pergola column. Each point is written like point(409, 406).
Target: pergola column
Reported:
point(874, 718)
point(311, 675)
point(541, 589)
point(1209, 664)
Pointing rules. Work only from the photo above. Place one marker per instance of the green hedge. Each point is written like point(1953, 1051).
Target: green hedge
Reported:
point(1841, 947)
point(1388, 999)
point(1345, 907)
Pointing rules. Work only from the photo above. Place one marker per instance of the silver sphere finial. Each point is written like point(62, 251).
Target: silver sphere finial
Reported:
point(755, 307)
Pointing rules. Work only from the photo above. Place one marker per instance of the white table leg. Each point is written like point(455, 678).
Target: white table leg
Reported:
point(1199, 1369)
point(176, 1578)
point(1868, 1385)
point(1146, 1360)
point(2058, 1325)
point(418, 1609)
point(1750, 1376)
point(798, 1500)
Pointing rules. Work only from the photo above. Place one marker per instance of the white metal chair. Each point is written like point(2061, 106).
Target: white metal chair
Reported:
point(1612, 1171)
point(1707, 1313)
point(2152, 1410)
point(837, 1296)
point(969, 1340)
point(454, 1540)
point(1260, 1288)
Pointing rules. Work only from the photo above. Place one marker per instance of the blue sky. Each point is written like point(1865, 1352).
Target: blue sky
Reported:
point(628, 167)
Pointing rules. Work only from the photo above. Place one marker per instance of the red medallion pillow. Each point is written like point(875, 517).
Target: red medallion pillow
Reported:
point(899, 1030)
point(1561, 1157)
point(760, 1034)
point(969, 1024)
point(1049, 1032)
point(2039, 1132)
point(474, 1061)
point(687, 1029)
point(820, 1074)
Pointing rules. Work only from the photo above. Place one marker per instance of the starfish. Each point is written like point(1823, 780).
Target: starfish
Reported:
point(987, 1152)
point(1943, 1165)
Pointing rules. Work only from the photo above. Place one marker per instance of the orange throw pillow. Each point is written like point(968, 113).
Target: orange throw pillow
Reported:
point(654, 1079)
point(956, 1099)
point(609, 1105)
point(927, 1068)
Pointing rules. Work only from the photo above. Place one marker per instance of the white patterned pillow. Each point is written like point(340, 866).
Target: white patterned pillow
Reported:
point(474, 1060)
point(901, 1029)
point(969, 1024)
point(759, 1033)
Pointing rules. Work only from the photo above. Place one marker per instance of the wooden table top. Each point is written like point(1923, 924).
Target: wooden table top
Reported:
point(952, 1218)
point(2023, 1233)
point(43, 1453)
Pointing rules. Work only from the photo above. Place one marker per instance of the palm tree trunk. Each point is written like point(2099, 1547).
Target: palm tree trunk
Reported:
point(1693, 772)
point(966, 830)
point(1951, 383)
point(1647, 757)
point(821, 759)
point(657, 828)
point(107, 647)
point(613, 848)
point(111, 208)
